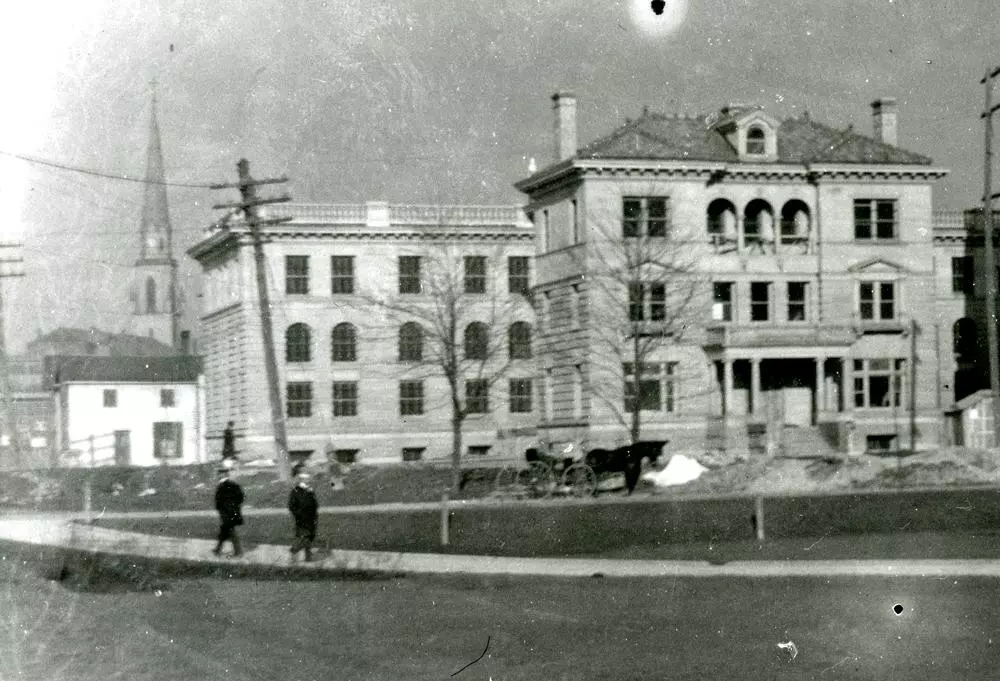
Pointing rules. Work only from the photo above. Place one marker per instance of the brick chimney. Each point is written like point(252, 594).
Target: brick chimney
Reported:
point(885, 120)
point(564, 104)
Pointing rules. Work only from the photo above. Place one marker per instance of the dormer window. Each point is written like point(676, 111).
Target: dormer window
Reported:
point(756, 141)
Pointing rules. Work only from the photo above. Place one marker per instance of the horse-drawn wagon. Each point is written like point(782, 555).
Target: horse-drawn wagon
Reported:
point(569, 472)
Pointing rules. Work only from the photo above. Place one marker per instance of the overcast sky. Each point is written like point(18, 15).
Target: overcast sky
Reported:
point(425, 101)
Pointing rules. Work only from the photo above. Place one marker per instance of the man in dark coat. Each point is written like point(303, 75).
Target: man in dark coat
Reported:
point(305, 510)
point(229, 503)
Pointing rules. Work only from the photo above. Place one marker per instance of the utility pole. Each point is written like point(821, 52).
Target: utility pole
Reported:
point(991, 272)
point(11, 265)
point(249, 204)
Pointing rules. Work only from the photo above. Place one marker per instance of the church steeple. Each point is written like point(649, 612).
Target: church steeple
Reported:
point(155, 231)
point(154, 295)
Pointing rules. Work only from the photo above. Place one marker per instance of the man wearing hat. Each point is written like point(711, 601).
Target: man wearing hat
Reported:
point(228, 502)
point(305, 511)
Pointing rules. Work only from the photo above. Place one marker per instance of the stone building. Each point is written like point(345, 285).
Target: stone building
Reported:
point(352, 291)
point(803, 257)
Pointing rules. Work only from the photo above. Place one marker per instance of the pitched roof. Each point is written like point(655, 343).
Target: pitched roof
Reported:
point(92, 369)
point(72, 341)
point(697, 138)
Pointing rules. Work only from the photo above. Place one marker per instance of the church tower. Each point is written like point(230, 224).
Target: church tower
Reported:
point(154, 278)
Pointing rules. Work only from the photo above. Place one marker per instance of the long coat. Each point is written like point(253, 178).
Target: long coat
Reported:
point(228, 502)
point(303, 505)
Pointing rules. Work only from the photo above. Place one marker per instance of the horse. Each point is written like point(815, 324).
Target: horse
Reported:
point(627, 460)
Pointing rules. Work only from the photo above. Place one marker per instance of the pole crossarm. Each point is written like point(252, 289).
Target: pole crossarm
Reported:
point(993, 74)
point(249, 183)
point(259, 202)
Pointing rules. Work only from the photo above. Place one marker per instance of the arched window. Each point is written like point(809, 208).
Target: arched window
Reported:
point(519, 340)
point(756, 140)
point(965, 339)
point(721, 219)
point(343, 343)
point(411, 342)
point(794, 221)
point(297, 343)
point(150, 295)
point(476, 342)
point(758, 222)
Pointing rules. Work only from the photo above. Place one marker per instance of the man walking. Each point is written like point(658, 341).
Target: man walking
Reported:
point(229, 504)
point(305, 511)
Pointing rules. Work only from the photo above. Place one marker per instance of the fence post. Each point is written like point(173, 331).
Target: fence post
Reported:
point(88, 482)
point(445, 519)
point(758, 516)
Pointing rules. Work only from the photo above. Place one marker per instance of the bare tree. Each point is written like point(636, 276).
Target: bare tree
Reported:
point(459, 326)
point(644, 294)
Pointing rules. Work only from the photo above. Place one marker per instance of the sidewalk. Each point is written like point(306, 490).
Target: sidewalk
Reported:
point(60, 531)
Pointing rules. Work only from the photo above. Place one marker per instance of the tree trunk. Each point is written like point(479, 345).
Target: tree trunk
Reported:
point(456, 454)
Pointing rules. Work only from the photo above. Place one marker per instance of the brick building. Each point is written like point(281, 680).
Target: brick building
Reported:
point(807, 301)
point(350, 289)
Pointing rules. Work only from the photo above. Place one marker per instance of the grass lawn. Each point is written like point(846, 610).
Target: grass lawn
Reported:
point(99, 625)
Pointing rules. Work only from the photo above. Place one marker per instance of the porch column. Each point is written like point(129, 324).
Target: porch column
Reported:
point(727, 387)
point(820, 384)
point(755, 385)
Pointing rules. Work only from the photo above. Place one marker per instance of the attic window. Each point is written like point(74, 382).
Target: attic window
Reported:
point(755, 141)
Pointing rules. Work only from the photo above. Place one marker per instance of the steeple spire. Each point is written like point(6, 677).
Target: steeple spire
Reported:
point(154, 230)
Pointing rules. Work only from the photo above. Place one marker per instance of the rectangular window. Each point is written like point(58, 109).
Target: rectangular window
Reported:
point(657, 388)
point(520, 395)
point(760, 301)
point(341, 274)
point(411, 398)
point(576, 306)
point(645, 216)
point(875, 219)
point(797, 297)
point(168, 440)
point(635, 302)
point(657, 302)
point(475, 274)
point(413, 453)
point(962, 273)
point(110, 398)
point(477, 396)
point(722, 301)
point(409, 274)
point(297, 274)
point(518, 275)
point(647, 301)
point(345, 456)
point(879, 383)
point(479, 450)
point(345, 398)
point(167, 398)
point(877, 300)
point(298, 398)
point(574, 221)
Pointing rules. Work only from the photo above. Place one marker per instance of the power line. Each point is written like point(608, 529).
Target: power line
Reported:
point(97, 173)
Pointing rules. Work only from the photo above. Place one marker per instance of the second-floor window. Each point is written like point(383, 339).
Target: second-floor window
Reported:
point(877, 300)
point(167, 398)
point(722, 301)
point(296, 274)
point(475, 274)
point(341, 274)
point(297, 345)
point(476, 341)
point(409, 274)
point(110, 398)
point(518, 275)
point(797, 300)
point(760, 301)
point(411, 342)
point(298, 400)
point(645, 216)
point(519, 340)
point(345, 398)
point(477, 396)
point(343, 343)
point(962, 271)
point(647, 302)
point(875, 219)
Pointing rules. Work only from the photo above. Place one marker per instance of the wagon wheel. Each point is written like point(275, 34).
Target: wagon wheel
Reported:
point(538, 479)
point(580, 479)
point(506, 480)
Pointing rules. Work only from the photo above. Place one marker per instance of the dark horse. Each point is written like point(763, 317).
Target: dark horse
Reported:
point(627, 460)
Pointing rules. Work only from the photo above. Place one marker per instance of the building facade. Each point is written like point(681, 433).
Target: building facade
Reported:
point(362, 298)
point(801, 256)
point(127, 411)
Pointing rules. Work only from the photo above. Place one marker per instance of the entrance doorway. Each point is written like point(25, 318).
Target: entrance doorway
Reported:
point(795, 379)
